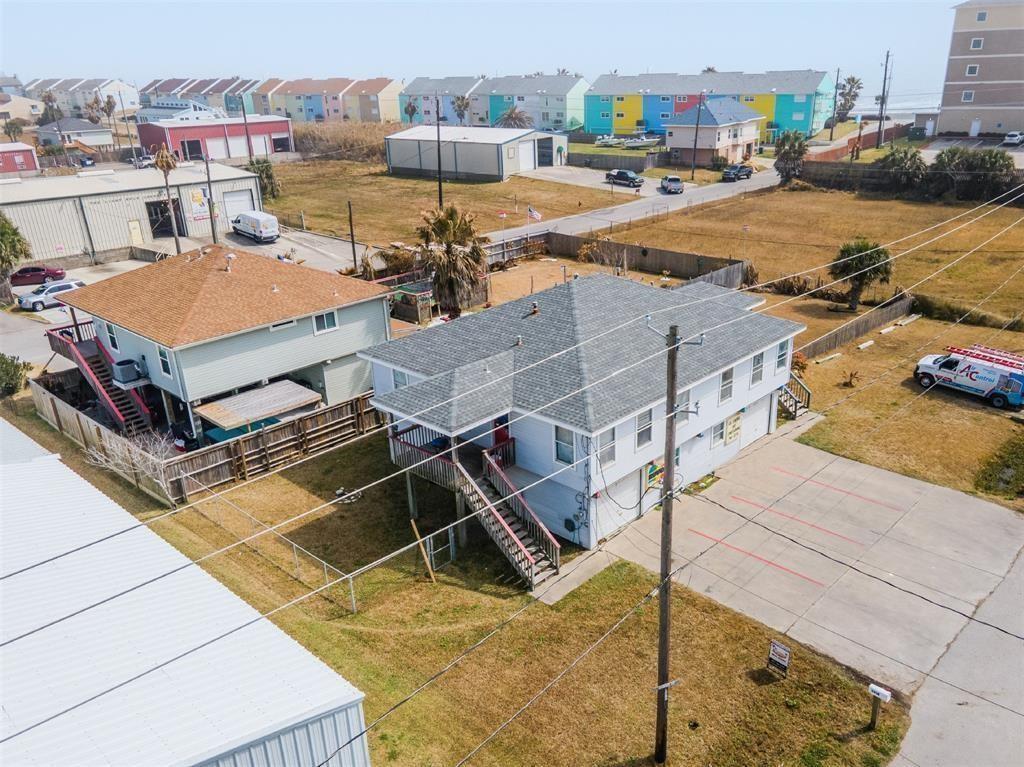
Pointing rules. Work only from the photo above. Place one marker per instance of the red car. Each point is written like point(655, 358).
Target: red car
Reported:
point(37, 275)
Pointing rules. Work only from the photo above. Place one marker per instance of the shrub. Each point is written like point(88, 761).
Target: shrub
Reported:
point(13, 374)
point(799, 363)
point(972, 174)
point(718, 162)
point(905, 168)
point(269, 185)
point(944, 309)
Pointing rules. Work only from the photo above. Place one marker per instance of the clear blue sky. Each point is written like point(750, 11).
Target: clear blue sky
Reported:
point(406, 40)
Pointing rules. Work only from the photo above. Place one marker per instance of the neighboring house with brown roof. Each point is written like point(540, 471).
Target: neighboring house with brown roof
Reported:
point(374, 100)
point(209, 323)
point(262, 96)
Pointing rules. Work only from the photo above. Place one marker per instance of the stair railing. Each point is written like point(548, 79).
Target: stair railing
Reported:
point(140, 403)
point(515, 500)
point(70, 350)
point(800, 391)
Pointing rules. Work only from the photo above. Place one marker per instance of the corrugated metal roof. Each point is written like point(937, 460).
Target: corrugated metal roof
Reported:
point(474, 350)
point(128, 180)
point(524, 85)
point(428, 86)
point(457, 133)
point(736, 83)
point(236, 690)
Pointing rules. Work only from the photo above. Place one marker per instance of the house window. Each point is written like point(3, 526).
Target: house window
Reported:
point(606, 446)
point(520, 98)
point(798, 116)
point(399, 378)
point(564, 451)
point(112, 337)
point(782, 356)
point(682, 99)
point(982, 16)
point(967, 97)
point(679, 451)
point(666, 99)
point(165, 361)
point(620, 115)
point(545, 116)
point(325, 323)
point(977, 43)
point(749, 99)
point(604, 99)
point(665, 115)
point(725, 386)
point(606, 115)
point(683, 407)
point(620, 98)
point(757, 369)
point(670, 134)
point(800, 98)
point(972, 70)
point(718, 435)
point(644, 428)
point(511, 152)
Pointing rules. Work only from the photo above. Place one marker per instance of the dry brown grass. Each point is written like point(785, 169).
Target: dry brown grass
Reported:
point(388, 208)
point(811, 312)
point(943, 437)
point(541, 274)
point(359, 141)
point(601, 713)
point(793, 231)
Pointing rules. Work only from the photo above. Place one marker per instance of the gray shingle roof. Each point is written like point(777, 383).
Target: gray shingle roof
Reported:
point(726, 83)
point(72, 124)
point(477, 349)
point(428, 86)
point(525, 85)
point(717, 111)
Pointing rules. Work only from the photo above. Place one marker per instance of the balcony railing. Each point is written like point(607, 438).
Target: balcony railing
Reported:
point(423, 452)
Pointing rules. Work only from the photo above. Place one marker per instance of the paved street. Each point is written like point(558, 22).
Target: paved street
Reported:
point(594, 179)
point(917, 548)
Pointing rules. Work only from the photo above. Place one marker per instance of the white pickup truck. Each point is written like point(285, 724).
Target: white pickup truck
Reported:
point(993, 374)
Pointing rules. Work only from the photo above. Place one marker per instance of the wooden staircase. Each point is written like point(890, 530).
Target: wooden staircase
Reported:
point(795, 397)
point(544, 567)
point(133, 419)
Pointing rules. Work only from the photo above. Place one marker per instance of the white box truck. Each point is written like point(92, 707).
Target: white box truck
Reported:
point(256, 224)
point(993, 374)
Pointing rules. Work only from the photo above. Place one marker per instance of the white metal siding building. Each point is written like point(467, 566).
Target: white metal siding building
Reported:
point(474, 153)
point(99, 213)
point(254, 697)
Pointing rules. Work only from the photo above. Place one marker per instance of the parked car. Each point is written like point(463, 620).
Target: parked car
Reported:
point(37, 275)
point(624, 177)
point(144, 161)
point(672, 185)
point(257, 225)
point(86, 162)
point(736, 172)
point(1014, 138)
point(47, 295)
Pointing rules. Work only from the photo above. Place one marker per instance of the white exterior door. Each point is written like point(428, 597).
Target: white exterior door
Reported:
point(755, 421)
point(236, 146)
point(236, 202)
point(527, 158)
point(975, 126)
point(929, 128)
point(217, 148)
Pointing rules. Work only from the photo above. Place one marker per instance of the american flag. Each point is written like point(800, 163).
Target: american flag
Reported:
point(502, 214)
point(534, 214)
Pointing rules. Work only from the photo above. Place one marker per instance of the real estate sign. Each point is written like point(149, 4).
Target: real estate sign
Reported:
point(778, 657)
point(733, 426)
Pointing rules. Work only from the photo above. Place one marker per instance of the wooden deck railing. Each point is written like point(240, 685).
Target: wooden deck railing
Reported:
point(61, 344)
point(515, 500)
point(140, 404)
point(504, 452)
point(800, 392)
point(410, 451)
point(498, 528)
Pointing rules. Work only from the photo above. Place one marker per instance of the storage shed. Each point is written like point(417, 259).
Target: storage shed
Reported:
point(103, 214)
point(177, 672)
point(473, 153)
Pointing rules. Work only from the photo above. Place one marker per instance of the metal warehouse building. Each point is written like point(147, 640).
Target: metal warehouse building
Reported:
point(178, 672)
point(103, 214)
point(478, 154)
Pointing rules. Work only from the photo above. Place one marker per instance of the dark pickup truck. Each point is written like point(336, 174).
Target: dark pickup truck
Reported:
point(624, 177)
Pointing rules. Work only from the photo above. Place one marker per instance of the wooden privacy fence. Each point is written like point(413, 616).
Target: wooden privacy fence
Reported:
point(881, 315)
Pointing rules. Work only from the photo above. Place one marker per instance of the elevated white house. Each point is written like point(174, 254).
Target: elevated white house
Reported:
point(479, 384)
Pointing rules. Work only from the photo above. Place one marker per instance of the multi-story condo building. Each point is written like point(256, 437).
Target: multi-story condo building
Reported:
point(417, 99)
point(374, 100)
point(309, 99)
point(553, 102)
point(984, 85)
point(799, 100)
point(73, 93)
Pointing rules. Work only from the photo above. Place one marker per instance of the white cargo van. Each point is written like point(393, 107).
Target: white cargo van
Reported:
point(256, 224)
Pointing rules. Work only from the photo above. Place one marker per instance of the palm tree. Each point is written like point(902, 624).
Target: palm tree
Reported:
point(108, 107)
point(849, 91)
point(410, 110)
point(165, 162)
point(51, 112)
point(93, 108)
point(514, 117)
point(461, 106)
point(708, 70)
point(905, 166)
point(13, 248)
point(13, 129)
point(790, 148)
point(861, 263)
point(452, 251)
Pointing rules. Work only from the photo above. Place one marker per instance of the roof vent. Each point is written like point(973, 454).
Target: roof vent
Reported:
point(535, 308)
point(519, 340)
point(229, 257)
point(274, 288)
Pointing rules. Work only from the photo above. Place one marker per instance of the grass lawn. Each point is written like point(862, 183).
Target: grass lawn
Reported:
point(871, 154)
point(811, 312)
point(842, 129)
point(388, 208)
point(792, 231)
point(944, 437)
point(728, 711)
point(703, 175)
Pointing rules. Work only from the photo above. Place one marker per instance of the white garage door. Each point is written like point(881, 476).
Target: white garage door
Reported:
point(217, 147)
point(260, 146)
point(236, 146)
point(238, 202)
point(755, 421)
point(527, 160)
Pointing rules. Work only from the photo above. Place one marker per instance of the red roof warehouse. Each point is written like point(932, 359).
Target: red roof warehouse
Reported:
point(221, 138)
point(18, 158)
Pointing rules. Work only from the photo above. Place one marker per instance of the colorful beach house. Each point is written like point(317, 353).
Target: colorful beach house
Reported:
point(799, 100)
point(553, 102)
point(420, 93)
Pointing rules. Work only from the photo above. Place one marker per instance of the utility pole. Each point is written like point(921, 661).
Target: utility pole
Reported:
point(352, 237)
point(124, 116)
point(835, 100)
point(437, 117)
point(696, 132)
point(248, 138)
point(665, 589)
point(209, 199)
point(881, 106)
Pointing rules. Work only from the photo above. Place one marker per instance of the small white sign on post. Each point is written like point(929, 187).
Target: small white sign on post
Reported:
point(778, 658)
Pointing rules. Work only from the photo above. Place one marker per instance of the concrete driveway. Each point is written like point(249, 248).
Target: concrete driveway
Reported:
point(929, 153)
point(894, 553)
point(594, 179)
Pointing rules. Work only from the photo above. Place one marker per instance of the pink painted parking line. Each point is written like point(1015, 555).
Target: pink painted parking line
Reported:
point(795, 519)
point(758, 558)
point(836, 489)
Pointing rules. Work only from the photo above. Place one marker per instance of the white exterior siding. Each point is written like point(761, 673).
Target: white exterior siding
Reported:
point(134, 347)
